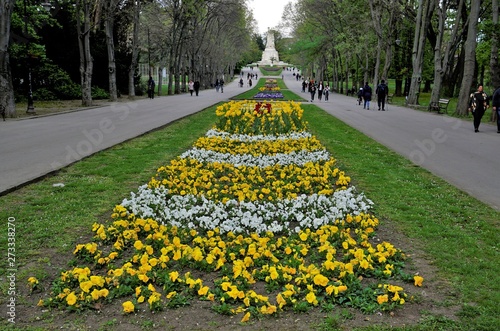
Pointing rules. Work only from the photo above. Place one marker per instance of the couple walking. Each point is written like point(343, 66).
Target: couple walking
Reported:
point(322, 90)
point(366, 93)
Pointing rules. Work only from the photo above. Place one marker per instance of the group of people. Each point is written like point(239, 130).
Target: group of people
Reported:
point(194, 87)
point(479, 102)
point(314, 88)
point(219, 85)
point(365, 95)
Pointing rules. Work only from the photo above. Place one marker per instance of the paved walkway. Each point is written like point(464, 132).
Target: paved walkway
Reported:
point(35, 147)
point(445, 146)
point(448, 147)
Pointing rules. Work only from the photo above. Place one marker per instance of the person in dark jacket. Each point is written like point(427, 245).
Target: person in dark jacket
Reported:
point(360, 95)
point(381, 92)
point(312, 88)
point(151, 88)
point(196, 87)
point(367, 96)
point(478, 103)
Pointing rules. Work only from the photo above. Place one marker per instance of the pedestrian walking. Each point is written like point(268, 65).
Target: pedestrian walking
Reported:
point(495, 103)
point(221, 82)
point(381, 92)
point(196, 87)
point(191, 87)
point(478, 103)
point(360, 96)
point(320, 90)
point(151, 88)
point(326, 92)
point(313, 91)
point(367, 96)
point(304, 86)
point(217, 85)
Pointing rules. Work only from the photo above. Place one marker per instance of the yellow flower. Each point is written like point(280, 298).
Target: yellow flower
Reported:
point(245, 318)
point(319, 279)
point(418, 280)
point(71, 299)
point(95, 294)
point(128, 307)
point(33, 281)
point(138, 245)
point(382, 298)
point(85, 286)
point(280, 301)
point(97, 280)
point(143, 277)
point(173, 276)
point(203, 291)
point(311, 298)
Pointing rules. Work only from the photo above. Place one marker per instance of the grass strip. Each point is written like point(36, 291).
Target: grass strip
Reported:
point(458, 232)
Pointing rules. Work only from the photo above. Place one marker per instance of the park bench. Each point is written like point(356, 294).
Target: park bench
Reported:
point(389, 97)
point(441, 105)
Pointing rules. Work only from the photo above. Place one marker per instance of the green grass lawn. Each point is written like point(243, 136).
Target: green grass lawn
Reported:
point(458, 233)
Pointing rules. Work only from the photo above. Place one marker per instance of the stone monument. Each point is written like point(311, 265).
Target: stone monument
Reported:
point(270, 55)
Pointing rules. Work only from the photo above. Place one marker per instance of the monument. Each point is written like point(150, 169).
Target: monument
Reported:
point(270, 55)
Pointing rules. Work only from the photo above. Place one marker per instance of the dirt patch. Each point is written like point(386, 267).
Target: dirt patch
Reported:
point(435, 297)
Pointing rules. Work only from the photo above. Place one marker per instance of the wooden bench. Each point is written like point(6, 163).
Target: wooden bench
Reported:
point(441, 105)
point(389, 97)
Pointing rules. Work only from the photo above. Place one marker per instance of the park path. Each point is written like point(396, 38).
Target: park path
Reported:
point(32, 148)
point(447, 147)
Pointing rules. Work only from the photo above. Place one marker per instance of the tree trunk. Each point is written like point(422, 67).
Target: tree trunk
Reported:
point(375, 12)
point(438, 63)
point(110, 45)
point(425, 10)
point(86, 61)
point(470, 59)
point(7, 104)
point(135, 50)
point(494, 63)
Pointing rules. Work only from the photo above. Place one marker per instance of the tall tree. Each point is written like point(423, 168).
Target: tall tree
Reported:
point(83, 11)
point(442, 61)
point(425, 11)
point(495, 40)
point(494, 61)
point(109, 9)
point(470, 59)
point(136, 10)
point(7, 104)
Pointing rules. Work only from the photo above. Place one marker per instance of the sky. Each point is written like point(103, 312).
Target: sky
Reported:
point(267, 13)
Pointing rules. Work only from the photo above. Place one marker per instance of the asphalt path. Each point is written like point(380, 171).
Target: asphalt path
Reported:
point(34, 147)
point(446, 146)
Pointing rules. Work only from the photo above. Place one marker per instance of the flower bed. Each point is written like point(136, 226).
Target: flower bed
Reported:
point(257, 200)
point(269, 95)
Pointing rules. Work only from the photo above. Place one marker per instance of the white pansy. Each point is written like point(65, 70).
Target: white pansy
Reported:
point(189, 211)
point(299, 158)
point(260, 137)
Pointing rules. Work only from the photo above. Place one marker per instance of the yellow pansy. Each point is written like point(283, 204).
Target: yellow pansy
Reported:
point(245, 318)
point(382, 299)
point(71, 299)
point(418, 280)
point(128, 307)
